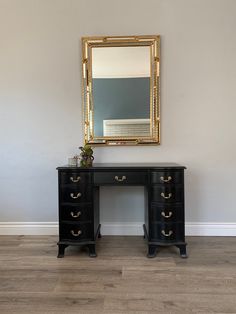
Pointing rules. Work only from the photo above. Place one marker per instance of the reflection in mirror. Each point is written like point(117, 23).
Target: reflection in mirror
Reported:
point(121, 90)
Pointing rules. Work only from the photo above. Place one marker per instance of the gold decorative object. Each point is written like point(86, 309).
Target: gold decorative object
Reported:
point(166, 180)
point(165, 215)
point(75, 180)
point(167, 234)
point(124, 132)
point(166, 197)
point(75, 215)
point(123, 178)
point(76, 234)
point(75, 196)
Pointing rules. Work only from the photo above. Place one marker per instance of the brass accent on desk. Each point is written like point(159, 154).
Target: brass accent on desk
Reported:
point(75, 196)
point(75, 215)
point(76, 234)
point(169, 178)
point(167, 234)
point(123, 178)
point(166, 216)
point(75, 180)
point(166, 197)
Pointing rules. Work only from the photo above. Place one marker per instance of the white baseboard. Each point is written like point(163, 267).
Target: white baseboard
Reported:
point(110, 228)
point(28, 228)
point(210, 229)
point(191, 229)
point(51, 228)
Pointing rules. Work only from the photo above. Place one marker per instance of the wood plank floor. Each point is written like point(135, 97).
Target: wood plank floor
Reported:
point(120, 280)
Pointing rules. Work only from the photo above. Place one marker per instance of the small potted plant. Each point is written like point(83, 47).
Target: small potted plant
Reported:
point(86, 156)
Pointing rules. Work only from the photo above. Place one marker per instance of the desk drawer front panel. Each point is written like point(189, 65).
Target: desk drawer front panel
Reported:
point(167, 194)
point(76, 213)
point(75, 178)
point(76, 194)
point(167, 232)
point(166, 213)
point(120, 178)
point(76, 231)
point(167, 177)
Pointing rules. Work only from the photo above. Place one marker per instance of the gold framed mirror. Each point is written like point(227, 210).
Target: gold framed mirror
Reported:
point(121, 92)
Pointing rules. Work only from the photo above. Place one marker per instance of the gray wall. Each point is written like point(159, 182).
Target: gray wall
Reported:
point(40, 101)
point(120, 98)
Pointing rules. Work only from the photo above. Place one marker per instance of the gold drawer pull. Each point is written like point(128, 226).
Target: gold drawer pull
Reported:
point(75, 215)
point(75, 180)
point(123, 178)
point(169, 178)
point(166, 216)
point(167, 234)
point(76, 234)
point(75, 196)
point(166, 197)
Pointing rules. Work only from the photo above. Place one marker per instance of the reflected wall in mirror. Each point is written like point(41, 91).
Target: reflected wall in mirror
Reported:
point(121, 90)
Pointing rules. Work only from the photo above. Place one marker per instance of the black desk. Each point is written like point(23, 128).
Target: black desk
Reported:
point(164, 203)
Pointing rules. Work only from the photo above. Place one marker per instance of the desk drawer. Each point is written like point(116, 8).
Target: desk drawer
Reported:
point(167, 177)
point(121, 178)
point(167, 193)
point(75, 177)
point(76, 231)
point(166, 213)
point(76, 213)
point(79, 194)
point(167, 232)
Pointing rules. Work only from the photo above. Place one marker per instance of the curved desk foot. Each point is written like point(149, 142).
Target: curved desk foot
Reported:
point(61, 250)
point(152, 251)
point(182, 250)
point(92, 250)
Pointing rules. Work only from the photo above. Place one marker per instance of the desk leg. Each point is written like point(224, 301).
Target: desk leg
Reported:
point(182, 250)
point(151, 251)
point(98, 233)
point(92, 250)
point(61, 250)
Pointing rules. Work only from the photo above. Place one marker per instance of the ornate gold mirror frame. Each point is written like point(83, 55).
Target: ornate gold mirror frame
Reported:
point(88, 43)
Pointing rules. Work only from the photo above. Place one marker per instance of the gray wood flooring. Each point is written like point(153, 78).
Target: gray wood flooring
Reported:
point(120, 280)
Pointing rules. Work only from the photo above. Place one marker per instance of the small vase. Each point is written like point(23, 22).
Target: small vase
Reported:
point(86, 162)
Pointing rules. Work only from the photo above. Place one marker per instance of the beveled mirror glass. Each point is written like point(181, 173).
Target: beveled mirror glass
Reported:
point(121, 90)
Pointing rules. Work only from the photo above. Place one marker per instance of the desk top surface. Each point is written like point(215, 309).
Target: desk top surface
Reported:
point(107, 166)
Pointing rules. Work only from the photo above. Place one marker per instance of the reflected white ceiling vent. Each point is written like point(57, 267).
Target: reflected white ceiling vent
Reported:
point(126, 127)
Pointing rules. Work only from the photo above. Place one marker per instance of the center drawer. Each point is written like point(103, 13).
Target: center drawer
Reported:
point(120, 178)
